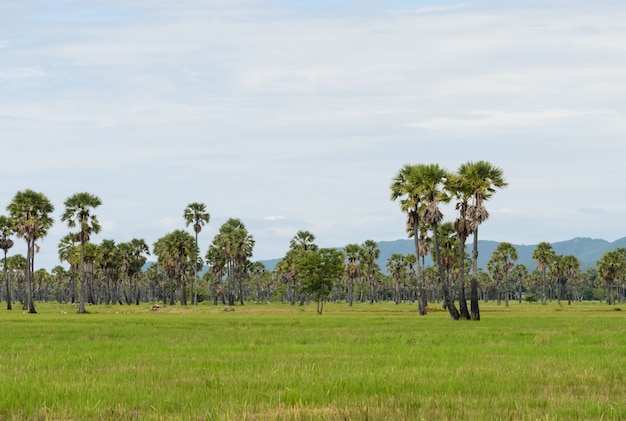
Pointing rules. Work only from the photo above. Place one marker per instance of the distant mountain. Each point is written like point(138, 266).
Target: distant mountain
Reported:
point(587, 250)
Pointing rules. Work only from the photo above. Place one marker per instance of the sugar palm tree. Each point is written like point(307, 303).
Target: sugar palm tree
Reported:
point(177, 254)
point(612, 266)
point(503, 259)
point(30, 212)
point(396, 268)
point(368, 255)
point(482, 178)
point(6, 230)
point(433, 179)
point(303, 240)
point(196, 214)
point(67, 253)
point(544, 255)
point(407, 188)
point(78, 214)
point(351, 269)
point(461, 189)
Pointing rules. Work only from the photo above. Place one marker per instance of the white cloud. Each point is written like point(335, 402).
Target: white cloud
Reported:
point(304, 114)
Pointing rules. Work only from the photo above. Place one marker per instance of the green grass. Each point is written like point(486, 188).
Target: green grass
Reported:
point(277, 362)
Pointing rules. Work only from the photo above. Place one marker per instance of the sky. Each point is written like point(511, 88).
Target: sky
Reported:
point(295, 115)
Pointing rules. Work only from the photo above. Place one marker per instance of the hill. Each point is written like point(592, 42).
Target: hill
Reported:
point(587, 250)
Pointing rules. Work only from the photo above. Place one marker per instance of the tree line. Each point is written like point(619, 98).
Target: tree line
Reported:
point(114, 273)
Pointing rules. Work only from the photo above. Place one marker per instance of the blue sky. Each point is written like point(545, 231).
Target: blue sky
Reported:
point(295, 115)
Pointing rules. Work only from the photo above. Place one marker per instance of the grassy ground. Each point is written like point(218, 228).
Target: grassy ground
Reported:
point(277, 362)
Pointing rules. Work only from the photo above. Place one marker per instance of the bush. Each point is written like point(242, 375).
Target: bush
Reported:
point(530, 297)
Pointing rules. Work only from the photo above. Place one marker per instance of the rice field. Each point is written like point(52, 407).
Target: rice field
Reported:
point(279, 362)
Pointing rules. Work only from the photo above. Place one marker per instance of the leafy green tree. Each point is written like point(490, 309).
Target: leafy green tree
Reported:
point(196, 214)
point(318, 270)
point(544, 255)
point(78, 214)
point(30, 212)
point(6, 231)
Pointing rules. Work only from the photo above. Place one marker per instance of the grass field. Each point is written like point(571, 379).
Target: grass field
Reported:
point(277, 362)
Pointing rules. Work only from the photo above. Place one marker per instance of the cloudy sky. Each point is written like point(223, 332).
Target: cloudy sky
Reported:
point(296, 114)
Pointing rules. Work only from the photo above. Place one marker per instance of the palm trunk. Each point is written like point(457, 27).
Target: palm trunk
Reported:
point(447, 299)
point(421, 292)
point(83, 286)
point(6, 282)
point(474, 307)
point(29, 277)
point(462, 301)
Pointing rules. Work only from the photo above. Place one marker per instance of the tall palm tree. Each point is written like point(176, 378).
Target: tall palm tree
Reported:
point(196, 214)
point(78, 214)
point(482, 178)
point(30, 212)
point(407, 187)
point(544, 255)
point(433, 180)
point(460, 188)
point(6, 230)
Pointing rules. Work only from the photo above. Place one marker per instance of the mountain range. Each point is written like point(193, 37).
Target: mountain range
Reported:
point(587, 250)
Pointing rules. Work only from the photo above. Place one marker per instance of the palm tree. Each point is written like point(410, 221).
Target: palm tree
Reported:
point(6, 230)
point(611, 266)
point(30, 212)
point(544, 255)
point(232, 246)
point(502, 261)
point(570, 268)
point(460, 188)
point(177, 253)
point(368, 255)
point(433, 179)
point(303, 240)
point(519, 274)
point(351, 269)
point(132, 254)
point(396, 268)
point(482, 178)
point(407, 187)
point(67, 253)
point(196, 214)
point(78, 213)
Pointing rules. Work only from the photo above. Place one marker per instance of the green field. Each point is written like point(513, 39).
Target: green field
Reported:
point(278, 362)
